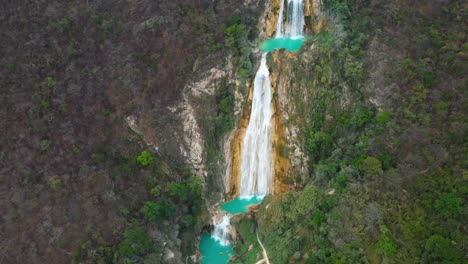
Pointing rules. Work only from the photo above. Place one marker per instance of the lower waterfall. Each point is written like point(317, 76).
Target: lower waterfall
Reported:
point(221, 230)
point(256, 164)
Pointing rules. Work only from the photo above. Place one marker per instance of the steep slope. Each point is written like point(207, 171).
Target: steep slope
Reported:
point(103, 105)
point(376, 99)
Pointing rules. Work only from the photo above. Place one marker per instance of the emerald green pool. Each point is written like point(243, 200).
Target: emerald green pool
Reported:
point(282, 43)
point(240, 205)
point(213, 252)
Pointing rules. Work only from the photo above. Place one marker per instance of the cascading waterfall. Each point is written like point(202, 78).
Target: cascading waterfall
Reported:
point(256, 157)
point(279, 24)
point(256, 164)
point(294, 24)
point(256, 171)
point(295, 21)
point(221, 230)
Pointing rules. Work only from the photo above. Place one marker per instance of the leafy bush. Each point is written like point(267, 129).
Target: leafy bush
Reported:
point(153, 211)
point(51, 82)
point(371, 167)
point(362, 116)
point(318, 142)
point(449, 204)
point(439, 249)
point(145, 158)
point(235, 34)
point(383, 117)
point(72, 51)
point(60, 24)
point(385, 245)
point(45, 145)
point(178, 189)
point(318, 219)
point(55, 183)
point(136, 242)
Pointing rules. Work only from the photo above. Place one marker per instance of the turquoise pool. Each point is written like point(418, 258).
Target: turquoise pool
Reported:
point(211, 250)
point(282, 43)
point(240, 205)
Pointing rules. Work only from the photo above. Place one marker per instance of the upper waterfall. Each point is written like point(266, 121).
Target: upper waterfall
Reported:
point(294, 25)
point(295, 21)
point(256, 164)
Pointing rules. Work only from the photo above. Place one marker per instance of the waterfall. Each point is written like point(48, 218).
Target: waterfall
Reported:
point(221, 230)
point(279, 24)
point(256, 157)
point(256, 164)
point(295, 19)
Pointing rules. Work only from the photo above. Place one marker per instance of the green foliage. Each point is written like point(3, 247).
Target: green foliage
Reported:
point(385, 245)
point(138, 55)
point(72, 51)
point(51, 82)
point(145, 158)
point(76, 149)
point(60, 24)
point(225, 99)
point(153, 211)
point(318, 219)
point(419, 70)
point(44, 145)
point(55, 183)
point(306, 202)
point(442, 107)
point(386, 159)
point(236, 39)
point(323, 39)
point(136, 242)
point(383, 117)
point(439, 249)
point(156, 191)
point(178, 189)
point(45, 104)
point(212, 44)
point(235, 34)
point(449, 204)
point(362, 116)
point(247, 232)
point(318, 142)
point(371, 167)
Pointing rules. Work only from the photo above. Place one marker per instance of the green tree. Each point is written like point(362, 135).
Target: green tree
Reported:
point(178, 189)
point(145, 158)
point(449, 204)
point(383, 117)
point(385, 245)
point(371, 167)
point(152, 211)
point(318, 141)
point(136, 242)
point(439, 249)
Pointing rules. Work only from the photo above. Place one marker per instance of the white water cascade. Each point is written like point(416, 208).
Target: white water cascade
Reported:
point(256, 164)
point(279, 24)
point(221, 230)
point(256, 157)
point(294, 25)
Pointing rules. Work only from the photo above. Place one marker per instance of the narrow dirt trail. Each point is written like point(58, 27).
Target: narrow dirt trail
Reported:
point(265, 254)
